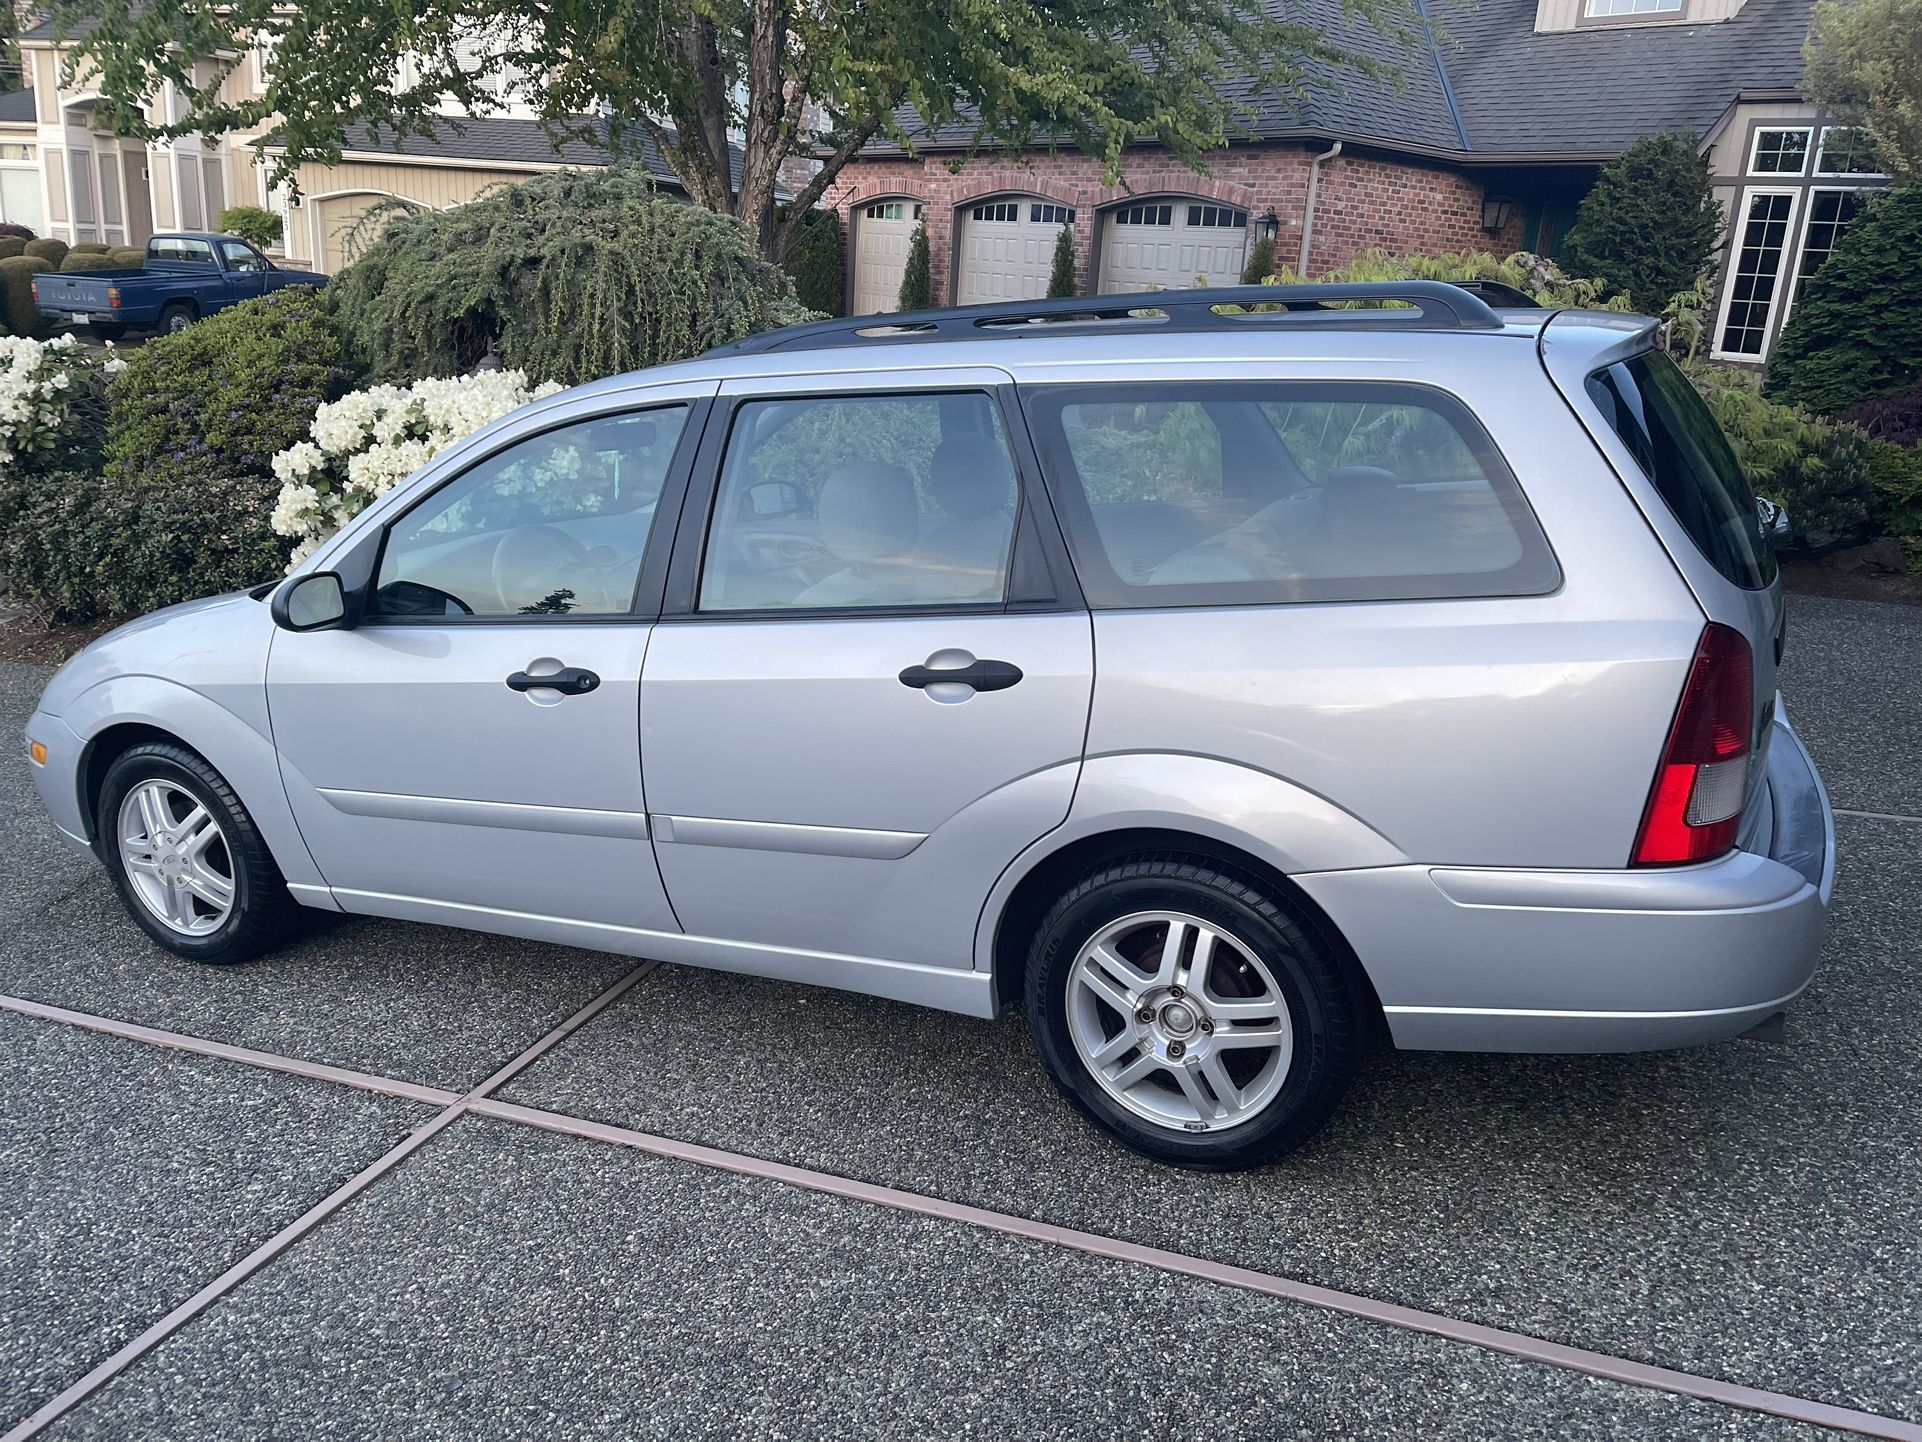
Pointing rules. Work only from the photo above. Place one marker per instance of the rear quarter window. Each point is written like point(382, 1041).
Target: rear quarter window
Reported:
point(1650, 404)
point(1208, 493)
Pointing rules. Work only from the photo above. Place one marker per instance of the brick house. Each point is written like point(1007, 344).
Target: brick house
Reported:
point(1489, 144)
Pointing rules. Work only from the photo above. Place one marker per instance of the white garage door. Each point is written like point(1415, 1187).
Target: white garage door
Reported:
point(342, 238)
point(881, 235)
point(1007, 248)
point(1166, 244)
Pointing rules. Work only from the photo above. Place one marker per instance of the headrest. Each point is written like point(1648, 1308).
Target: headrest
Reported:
point(869, 511)
point(969, 475)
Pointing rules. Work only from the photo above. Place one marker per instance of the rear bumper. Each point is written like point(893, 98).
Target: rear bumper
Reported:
point(1480, 959)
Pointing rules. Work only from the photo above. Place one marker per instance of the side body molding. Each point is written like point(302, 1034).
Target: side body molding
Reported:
point(1290, 828)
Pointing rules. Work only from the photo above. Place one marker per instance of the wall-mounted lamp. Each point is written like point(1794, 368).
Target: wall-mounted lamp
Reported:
point(1495, 213)
point(1268, 226)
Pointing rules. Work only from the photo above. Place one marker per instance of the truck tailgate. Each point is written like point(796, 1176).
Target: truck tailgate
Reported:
point(78, 292)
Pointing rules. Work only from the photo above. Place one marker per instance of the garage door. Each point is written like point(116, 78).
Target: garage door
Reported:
point(1166, 244)
point(341, 239)
point(881, 235)
point(1007, 248)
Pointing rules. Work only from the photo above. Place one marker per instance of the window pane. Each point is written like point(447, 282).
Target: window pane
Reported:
point(1846, 151)
point(1758, 268)
point(552, 525)
point(1257, 492)
point(1780, 152)
point(862, 502)
point(1651, 405)
point(1830, 212)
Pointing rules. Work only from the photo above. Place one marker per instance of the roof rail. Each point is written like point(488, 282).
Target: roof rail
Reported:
point(1420, 305)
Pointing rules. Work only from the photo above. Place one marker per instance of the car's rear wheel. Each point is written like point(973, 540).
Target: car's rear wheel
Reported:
point(175, 318)
point(186, 857)
point(1190, 1013)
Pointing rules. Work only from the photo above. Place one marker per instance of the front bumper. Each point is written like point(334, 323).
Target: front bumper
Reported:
point(58, 780)
point(1481, 959)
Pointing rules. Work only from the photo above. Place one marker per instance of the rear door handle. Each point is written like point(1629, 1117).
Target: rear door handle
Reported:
point(980, 675)
point(569, 681)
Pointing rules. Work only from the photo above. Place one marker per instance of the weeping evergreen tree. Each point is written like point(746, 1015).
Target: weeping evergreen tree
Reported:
point(568, 276)
point(1061, 275)
point(917, 278)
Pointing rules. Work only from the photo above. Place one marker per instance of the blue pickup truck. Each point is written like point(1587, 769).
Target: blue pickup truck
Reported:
point(187, 274)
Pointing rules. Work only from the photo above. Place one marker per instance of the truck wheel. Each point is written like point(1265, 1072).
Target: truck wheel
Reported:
point(175, 318)
point(107, 332)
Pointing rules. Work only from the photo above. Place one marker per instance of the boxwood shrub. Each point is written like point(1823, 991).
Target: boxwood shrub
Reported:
point(16, 295)
point(52, 252)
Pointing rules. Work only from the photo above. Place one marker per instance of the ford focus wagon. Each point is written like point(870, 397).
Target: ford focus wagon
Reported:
point(1222, 687)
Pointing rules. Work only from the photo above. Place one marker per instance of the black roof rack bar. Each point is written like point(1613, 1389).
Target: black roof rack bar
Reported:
point(1424, 305)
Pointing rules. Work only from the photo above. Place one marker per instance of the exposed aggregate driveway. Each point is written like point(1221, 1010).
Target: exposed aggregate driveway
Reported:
point(1750, 1213)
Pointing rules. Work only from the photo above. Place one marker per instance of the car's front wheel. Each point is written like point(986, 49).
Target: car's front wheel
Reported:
point(1190, 1013)
point(186, 857)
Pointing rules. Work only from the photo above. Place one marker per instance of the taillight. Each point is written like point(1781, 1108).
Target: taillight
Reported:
point(35, 285)
point(1695, 806)
point(113, 297)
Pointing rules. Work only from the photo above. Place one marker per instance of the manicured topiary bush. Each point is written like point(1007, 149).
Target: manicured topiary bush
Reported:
point(49, 252)
point(89, 260)
point(917, 279)
point(128, 255)
point(11, 245)
point(1650, 223)
point(817, 263)
point(568, 276)
point(87, 247)
point(257, 226)
point(16, 293)
point(1061, 280)
point(1261, 262)
point(1857, 332)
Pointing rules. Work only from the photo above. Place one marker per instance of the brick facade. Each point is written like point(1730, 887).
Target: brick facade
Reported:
point(1365, 201)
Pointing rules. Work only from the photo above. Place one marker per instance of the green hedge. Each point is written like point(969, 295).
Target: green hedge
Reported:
point(128, 255)
point(917, 276)
point(11, 245)
point(16, 296)
point(89, 260)
point(1650, 224)
point(88, 247)
point(52, 252)
point(817, 263)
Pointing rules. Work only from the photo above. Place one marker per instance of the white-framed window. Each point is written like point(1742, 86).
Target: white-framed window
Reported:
point(1830, 212)
point(1755, 289)
point(1846, 150)
point(1003, 210)
point(1051, 214)
point(893, 210)
point(1611, 9)
point(1145, 215)
point(1780, 151)
point(1217, 217)
point(11, 151)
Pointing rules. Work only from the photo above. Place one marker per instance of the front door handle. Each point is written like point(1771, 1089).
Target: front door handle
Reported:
point(569, 681)
point(980, 675)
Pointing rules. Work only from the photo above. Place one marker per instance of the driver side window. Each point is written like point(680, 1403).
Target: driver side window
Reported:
point(555, 524)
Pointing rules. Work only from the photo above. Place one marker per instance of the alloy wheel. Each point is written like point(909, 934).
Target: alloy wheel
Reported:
point(176, 858)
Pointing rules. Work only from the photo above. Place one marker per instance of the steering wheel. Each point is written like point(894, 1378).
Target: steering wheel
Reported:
point(555, 557)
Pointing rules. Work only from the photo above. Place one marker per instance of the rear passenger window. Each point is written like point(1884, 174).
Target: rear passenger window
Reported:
point(862, 503)
point(1674, 438)
point(1240, 493)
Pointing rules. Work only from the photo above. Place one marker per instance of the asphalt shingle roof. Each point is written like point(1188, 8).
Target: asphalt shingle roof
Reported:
point(16, 107)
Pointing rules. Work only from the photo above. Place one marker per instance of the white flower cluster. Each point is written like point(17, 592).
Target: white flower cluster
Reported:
point(364, 443)
point(38, 383)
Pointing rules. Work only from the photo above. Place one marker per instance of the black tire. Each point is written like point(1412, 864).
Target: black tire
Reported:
point(175, 318)
point(102, 330)
point(262, 910)
point(1308, 972)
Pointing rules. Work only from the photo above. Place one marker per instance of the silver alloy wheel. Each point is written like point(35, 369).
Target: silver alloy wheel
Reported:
point(1179, 1021)
point(176, 857)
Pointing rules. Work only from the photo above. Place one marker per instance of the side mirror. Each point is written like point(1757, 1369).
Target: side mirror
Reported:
point(316, 602)
point(1777, 530)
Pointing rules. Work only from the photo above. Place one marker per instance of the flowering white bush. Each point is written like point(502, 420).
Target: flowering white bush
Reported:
point(39, 381)
point(365, 442)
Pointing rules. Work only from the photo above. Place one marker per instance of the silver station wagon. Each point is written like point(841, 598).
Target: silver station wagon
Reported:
point(1223, 688)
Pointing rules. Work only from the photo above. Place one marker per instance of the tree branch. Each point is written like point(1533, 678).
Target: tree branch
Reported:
point(805, 199)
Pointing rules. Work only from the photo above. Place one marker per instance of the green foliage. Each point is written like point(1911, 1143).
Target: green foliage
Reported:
point(260, 228)
point(186, 486)
point(11, 245)
point(87, 247)
point(128, 255)
point(1061, 279)
point(817, 263)
point(1857, 333)
point(89, 260)
point(49, 252)
point(1261, 262)
point(917, 278)
point(16, 288)
point(569, 276)
point(1816, 468)
point(1862, 63)
point(1895, 474)
point(1650, 224)
point(1541, 279)
point(684, 74)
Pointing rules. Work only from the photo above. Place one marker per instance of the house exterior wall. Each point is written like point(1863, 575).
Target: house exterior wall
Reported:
point(1365, 200)
point(436, 186)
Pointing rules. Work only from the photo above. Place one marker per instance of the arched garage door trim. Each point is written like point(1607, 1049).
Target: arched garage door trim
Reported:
point(985, 267)
point(1166, 238)
point(864, 288)
point(314, 204)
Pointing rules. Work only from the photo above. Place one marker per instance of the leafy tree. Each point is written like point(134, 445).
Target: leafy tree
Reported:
point(1261, 262)
point(917, 278)
point(808, 78)
point(817, 263)
point(569, 276)
point(258, 227)
point(1061, 280)
point(1857, 332)
point(1863, 61)
point(1650, 224)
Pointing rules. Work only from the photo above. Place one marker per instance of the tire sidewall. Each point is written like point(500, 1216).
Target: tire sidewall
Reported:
point(142, 764)
point(1320, 1014)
